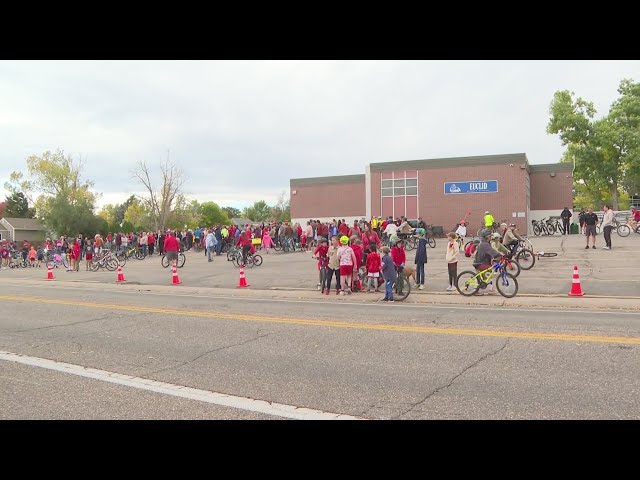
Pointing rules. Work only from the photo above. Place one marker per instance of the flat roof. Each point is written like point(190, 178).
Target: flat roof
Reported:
point(551, 167)
point(301, 182)
point(516, 158)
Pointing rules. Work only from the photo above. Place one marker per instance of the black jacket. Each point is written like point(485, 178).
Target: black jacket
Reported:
point(566, 214)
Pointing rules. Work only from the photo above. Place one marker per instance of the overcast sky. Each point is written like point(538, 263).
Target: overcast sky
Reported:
point(242, 129)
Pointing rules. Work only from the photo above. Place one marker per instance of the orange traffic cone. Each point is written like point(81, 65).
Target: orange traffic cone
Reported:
point(576, 289)
point(176, 279)
point(120, 275)
point(243, 281)
point(50, 272)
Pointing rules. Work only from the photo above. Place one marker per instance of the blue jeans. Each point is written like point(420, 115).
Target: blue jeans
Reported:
point(209, 250)
point(420, 273)
point(388, 289)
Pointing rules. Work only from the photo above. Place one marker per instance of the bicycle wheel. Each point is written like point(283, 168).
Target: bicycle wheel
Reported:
point(140, 255)
point(164, 261)
point(536, 230)
point(526, 259)
point(467, 283)
point(257, 260)
point(322, 277)
point(95, 266)
point(432, 242)
point(513, 267)
point(507, 284)
point(623, 230)
point(122, 259)
point(111, 264)
point(399, 295)
point(181, 259)
point(277, 247)
point(65, 263)
point(548, 254)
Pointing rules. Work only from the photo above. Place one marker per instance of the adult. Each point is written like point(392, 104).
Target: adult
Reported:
point(210, 243)
point(391, 229)
point(590, 220)
point(369, 236)
point(161, 238)
point(171, 247)
point(566, 216)
point(151, 241)
point(581, 220)
point(218, 234)
point(607, 225)
point(421, 223)
point(355, 230)
point(488, 220)
point(118, 242)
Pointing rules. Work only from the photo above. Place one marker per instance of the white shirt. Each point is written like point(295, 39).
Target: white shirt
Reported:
point(607, 218)
point(392, 229)
point(461, 230)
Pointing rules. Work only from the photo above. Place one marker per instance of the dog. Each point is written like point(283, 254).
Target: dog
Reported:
point(409, 271)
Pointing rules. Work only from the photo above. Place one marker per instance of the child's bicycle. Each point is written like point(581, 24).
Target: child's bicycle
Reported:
point(322, 271)
point(401, 288)
point(252, 259)
point(468, 283)
point(56, 260)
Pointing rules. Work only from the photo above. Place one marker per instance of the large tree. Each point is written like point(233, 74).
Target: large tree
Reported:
point(281, 211)
point(232, 212)
point(137, 215)
point(17, 206)
point(605, 150)
point(212, 214)
point(160, 198)
point(258, 212)
point(66, 203)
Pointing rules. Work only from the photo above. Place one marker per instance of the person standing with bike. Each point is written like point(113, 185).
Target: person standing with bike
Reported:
point(389, 274)
point(566, 216)
point(171, 247)
point(245, 243)
point(607, 225)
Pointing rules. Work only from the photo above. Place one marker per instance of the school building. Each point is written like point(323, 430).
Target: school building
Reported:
point(441, 190)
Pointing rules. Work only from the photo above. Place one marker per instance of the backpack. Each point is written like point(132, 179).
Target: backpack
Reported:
point(469, 250)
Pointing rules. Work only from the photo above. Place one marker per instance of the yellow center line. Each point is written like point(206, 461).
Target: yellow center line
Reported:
point(337, 323)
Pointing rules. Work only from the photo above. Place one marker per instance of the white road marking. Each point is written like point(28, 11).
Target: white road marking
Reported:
point(241, 403)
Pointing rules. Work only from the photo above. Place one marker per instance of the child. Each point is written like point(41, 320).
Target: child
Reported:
point(334, 266)
point(266, 240)
point(40, 255)
point(399, 259)
point(356, 246)
point(452, 260)
point(303, 241)
point(389, 274)
point(4, 254)
point(421, 258)
point(75, 255)
point(322, 253)
point(32, 256)
point(347, 261)
point(373, 268)
point(88, 254)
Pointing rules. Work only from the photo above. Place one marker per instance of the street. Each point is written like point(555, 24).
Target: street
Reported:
point(168, 354)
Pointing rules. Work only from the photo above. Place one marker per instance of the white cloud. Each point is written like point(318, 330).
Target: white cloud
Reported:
point(241, 129)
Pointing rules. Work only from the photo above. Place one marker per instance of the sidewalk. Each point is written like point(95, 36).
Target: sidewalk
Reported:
point(594, 302)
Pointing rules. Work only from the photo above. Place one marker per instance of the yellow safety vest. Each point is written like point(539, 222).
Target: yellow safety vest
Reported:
point(488, 220)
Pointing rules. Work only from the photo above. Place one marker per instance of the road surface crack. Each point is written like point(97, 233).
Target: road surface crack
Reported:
point(174, 367)
point(105, 317)
point(464, 370)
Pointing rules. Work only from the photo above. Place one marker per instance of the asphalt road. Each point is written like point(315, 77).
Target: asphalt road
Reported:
point(371, 361)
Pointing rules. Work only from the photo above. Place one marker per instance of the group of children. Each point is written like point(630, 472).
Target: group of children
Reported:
point(35, 256)
point(344, 257)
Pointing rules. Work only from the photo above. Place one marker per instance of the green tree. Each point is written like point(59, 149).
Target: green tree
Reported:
point(212, 214)
point(2, 207)
point(119, 209)
point(107, 213)
point(232, 212)
point(606, 149)
point(127, 227)
point(137, 215)
point(66, 203)
point(17, 206)
point(258, 212)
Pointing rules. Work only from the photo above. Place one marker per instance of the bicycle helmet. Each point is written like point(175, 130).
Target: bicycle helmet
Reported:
point(484, 232)
point(420, 232)
point(495, 235)
point(344, 240)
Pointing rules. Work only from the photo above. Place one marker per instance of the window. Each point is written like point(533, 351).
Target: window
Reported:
point(412, 190)
point(387, 192)
point(412, 182)
point(398, 192)
point(387, 183)
point(398, 183)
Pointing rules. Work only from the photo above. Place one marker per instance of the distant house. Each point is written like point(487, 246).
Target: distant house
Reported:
point(241, 222)
point(21, 229)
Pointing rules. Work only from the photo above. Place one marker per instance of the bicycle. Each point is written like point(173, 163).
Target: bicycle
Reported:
point(106, 261)
point(58, 260)
point(252, 259)
point(164, 261)
point(622, 229)
point(469, 283)
point(322, 271)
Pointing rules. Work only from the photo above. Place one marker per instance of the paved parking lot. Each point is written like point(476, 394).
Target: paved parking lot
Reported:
point(602, 272)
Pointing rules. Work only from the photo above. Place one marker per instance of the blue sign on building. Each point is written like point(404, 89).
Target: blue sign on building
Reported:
point(480, 186)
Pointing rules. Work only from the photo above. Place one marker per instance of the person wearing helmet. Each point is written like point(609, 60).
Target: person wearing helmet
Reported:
point(462, 229)
point(488, 220)
point(485, 253)
point(421, 258)
point(347, 261)
point(399, 259)
point(511, 238)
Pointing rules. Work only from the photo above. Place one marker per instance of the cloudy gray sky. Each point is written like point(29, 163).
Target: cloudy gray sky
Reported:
point(242, 129)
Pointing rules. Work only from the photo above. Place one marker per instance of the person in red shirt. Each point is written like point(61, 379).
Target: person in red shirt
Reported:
point(369, 236)
point(356, 246)
point(373, 269)
point(244, 242)
point(322, 254)
point(171, 247)
point(75, 255)
point(343, 229)
point(355, 230)
point(399, 259)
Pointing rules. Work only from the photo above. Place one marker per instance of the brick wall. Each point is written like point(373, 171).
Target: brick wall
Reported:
point(551, 193)
point(328, 200)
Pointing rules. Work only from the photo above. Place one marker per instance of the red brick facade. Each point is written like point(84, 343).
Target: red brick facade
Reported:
point(553, 190)
point(332, 199)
